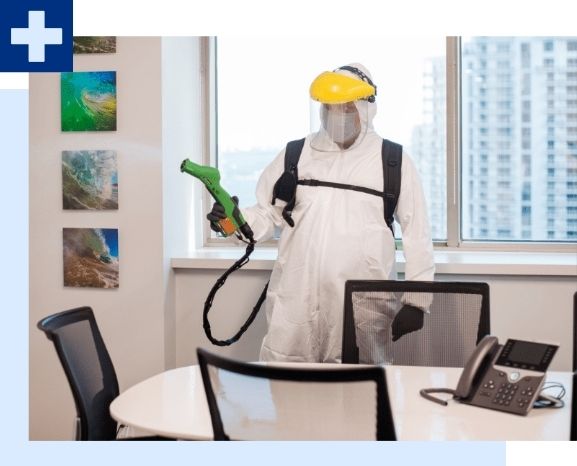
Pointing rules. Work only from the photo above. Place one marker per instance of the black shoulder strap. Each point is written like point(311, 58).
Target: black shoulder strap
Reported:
point(392, 155)
point(293, 154)
point(286, 186)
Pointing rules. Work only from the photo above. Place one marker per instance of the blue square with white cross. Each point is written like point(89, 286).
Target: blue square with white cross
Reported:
point(36, 35)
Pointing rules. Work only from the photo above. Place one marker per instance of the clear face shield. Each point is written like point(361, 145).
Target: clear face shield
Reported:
point(337, 127)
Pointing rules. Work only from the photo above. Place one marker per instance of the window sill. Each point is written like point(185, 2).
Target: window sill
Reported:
point(446, 262)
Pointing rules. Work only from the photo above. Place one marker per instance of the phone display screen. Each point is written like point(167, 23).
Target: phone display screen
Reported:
point(527, 355)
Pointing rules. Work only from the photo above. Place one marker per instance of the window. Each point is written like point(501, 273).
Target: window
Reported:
point(517, 126)
point(514, 180)
point(410, 103)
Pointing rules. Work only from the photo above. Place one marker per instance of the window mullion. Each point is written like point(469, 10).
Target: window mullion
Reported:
point(453, 72)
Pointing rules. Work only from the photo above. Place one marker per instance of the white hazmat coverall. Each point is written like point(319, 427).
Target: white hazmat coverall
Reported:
point(338, 235)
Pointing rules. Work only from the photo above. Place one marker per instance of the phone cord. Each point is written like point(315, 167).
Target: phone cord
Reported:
point(208, 303)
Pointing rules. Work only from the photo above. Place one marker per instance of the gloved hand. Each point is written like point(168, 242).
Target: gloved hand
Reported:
point(217, 213)
point(408, 319)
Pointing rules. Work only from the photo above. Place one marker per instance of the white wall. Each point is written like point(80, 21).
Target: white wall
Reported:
point(527, 307)
point(182, 138)
point(131, 317)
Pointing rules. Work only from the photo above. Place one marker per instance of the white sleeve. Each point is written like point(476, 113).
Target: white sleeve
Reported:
point(263, 217)
point(411, 213)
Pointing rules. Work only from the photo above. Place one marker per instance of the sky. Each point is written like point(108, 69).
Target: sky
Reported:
point(282, 69)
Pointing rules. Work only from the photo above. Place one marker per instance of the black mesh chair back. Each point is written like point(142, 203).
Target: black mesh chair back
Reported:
point(574, 394)
point(289, 402)
point(458, 319)
point(88, 368)
point(574, 408)
point(575, 332)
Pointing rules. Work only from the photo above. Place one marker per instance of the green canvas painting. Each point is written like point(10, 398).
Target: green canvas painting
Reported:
point(88, 101)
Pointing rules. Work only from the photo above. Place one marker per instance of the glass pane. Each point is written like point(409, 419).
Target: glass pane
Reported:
point(519, 138)
point(263, 102)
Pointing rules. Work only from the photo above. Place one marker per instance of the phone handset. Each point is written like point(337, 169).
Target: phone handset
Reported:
point(480, 357)
point(471, 374)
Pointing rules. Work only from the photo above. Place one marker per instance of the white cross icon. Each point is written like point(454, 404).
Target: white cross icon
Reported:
point(36, 36)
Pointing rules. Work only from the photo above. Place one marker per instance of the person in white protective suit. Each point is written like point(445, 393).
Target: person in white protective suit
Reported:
point(338, 234)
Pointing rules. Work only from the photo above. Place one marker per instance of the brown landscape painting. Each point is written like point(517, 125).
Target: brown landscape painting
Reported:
point(94, 44)
point(90, 257)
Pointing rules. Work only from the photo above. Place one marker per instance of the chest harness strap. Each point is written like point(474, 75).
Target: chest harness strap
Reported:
point(286, 186)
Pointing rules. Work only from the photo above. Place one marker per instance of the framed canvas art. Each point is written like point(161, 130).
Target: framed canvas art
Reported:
point(89, 180)
point(88, 101)
point(90, 257)
point(93, 44)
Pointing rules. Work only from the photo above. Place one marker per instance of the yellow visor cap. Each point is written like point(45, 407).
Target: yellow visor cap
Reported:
point(336, 88)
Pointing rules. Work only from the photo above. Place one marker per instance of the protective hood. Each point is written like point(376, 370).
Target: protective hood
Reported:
point(368, 109)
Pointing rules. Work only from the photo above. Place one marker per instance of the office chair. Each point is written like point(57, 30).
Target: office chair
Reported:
point(575, 332)
point(458, 319)
point(294, 402)
point(574, 394)
point(573, 435)
point(89, 371)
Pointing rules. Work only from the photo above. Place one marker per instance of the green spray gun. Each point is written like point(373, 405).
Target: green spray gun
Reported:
point(210, 176)
point(232, 223)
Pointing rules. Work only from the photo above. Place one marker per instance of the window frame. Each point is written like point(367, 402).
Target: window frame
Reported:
point(455, 241)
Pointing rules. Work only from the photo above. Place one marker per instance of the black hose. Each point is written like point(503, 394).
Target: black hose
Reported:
point(208, 303)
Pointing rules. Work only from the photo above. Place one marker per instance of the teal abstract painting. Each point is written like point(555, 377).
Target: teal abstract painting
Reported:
point(88, 101)
point(89, 180)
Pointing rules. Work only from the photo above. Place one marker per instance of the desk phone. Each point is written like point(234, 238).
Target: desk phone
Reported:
point(505, 377)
